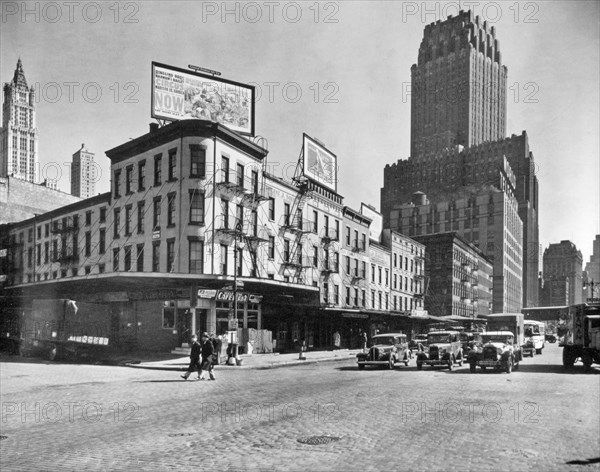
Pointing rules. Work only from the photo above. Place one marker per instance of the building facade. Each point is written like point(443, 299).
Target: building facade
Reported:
point(19, 135)
point(83, 173)
point(563, 278)
point(459, 277)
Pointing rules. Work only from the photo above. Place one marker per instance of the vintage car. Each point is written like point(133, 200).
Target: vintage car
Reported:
point(469, 340)
point(551, 338)
point(445, 349)
point(497, 351)
point(386, 350)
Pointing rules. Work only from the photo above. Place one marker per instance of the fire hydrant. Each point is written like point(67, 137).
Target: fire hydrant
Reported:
point(301, 355)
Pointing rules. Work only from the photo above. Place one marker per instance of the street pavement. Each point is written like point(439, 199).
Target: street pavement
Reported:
point(321, 416)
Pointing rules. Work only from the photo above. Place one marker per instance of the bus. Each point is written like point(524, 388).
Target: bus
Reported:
point(535, 337)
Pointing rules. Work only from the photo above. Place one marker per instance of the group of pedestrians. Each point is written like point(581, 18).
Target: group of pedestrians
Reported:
point(203, 356)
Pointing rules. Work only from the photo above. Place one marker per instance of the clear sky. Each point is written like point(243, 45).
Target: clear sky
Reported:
point(338, 71)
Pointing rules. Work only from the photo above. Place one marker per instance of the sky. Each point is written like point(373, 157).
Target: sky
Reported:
point(338, 71)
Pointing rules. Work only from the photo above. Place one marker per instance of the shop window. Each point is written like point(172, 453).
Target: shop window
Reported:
point(169, 314)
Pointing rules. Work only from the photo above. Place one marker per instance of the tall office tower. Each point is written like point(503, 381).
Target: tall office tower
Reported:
point(592, 271)
point(562, 274)
point(458, 127)
point(458, 86)
point(18, 135)
point(83, 173)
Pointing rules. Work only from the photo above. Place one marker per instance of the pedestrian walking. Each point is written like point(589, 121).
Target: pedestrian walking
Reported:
point(194, 358)
point(336, 340)
point(207, 352)
point(363, 340)
point(216, 342)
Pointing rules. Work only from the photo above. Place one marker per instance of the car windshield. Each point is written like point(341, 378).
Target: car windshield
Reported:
point(497, 338)
point(438, 338)
point(390, 340)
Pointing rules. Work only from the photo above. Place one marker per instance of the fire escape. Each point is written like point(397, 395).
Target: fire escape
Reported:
point(293, 260)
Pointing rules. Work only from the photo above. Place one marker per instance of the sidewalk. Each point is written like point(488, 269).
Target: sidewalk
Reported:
point(257, 361)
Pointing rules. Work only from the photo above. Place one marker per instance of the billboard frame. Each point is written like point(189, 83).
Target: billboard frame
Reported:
point(212, 78)
point(306, 139)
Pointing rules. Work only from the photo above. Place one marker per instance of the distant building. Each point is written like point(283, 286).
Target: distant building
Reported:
point(83, 173)
point(459, 276)
point(592, 272)
point(18, 135)
point(563, 281)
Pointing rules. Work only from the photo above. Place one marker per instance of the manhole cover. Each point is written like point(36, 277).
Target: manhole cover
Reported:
point(317, 440)
point(178, 435)
point(3, 438)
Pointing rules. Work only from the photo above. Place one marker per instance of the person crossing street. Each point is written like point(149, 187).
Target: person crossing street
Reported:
point(194, 358)
point(207, 357)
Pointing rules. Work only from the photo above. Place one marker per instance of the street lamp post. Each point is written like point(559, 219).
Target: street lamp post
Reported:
point(238, 231)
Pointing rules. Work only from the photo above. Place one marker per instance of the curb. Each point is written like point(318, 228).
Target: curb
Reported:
point(292, 363)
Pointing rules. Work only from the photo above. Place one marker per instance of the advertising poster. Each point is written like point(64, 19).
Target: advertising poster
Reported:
point(178, 94)
point(319, 164)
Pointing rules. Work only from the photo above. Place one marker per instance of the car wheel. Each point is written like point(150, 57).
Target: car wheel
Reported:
point(361, 366)
point(391, 362)
point(509, 365)
point(532, 353)
point(419, 365)
point(473, 366)
point(538, 351)
point(406, 360)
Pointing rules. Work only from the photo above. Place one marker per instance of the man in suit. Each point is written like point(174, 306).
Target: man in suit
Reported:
point(194, 358)
point(207, 357)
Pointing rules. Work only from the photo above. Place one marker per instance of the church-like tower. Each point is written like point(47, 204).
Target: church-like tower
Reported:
point(19, 135)
point(458, 86)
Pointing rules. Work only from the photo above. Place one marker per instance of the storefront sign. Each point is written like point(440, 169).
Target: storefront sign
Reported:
point(255, 298)
point(207, 293)
point(227, 296)
point(156, 234)
point(160, 294)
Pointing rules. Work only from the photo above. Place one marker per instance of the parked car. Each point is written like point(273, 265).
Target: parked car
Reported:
point(386, 350)
point(551, 338)
point(498, 351)
point(445, 349)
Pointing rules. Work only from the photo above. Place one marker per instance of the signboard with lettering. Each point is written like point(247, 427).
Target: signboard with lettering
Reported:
point(203, 293)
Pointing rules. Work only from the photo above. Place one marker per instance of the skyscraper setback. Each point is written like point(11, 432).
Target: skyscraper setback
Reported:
point(458, 86)
point(460, 152)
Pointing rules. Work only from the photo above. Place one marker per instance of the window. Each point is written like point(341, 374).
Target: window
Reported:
point(254, 223)
point(169, 315)
point(379, 271)
point(325, 292)
point(286, 214)
point(271, 247)
point(171, 209)
point(142, 175)
point(88, 218)
point(315, 256)
point(240, 176)
point(364, 242)
point(38, 254)
point(172, 164)
point(88, 244)
point(225, 214)
point(315, 221)
point(197, 161)
point(196, 207)
point(128, 179)
point(170, 255)
point(336, 259)
point(355, 242)
point(140, 217)
point(373, 273)
point(356, 292)
point(117, 222)
point(348, 296)
point(326, 224)
point(46, 251)
point(224, 169)
point(102, 241)
point(196, 257)
point(116, 259)
point(140, 258)
point(239, 215)
point(128, 220)
point(127, 258)
point(46, 230)
point(286, 250)
point(87, 270)
point(255, 182)
point(156, 256)
point(336, 235)
point(223, 259)
point(117, 183)
point(157, 169)
point(387, 277)
point(271, 209)
point(347, 265)
point(336, 294)
point(156, 214)
point(240, 261)
point(348, 235)
point(101, 268)
point(364, 298)
point(30, 235)
point(103, 215)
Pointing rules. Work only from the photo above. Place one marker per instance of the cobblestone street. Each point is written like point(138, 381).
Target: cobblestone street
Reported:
point(315, 417)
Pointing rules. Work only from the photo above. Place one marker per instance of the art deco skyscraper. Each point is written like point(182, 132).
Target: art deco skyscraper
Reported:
point(19, 135)
point(458, 86)
point(83, 173)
